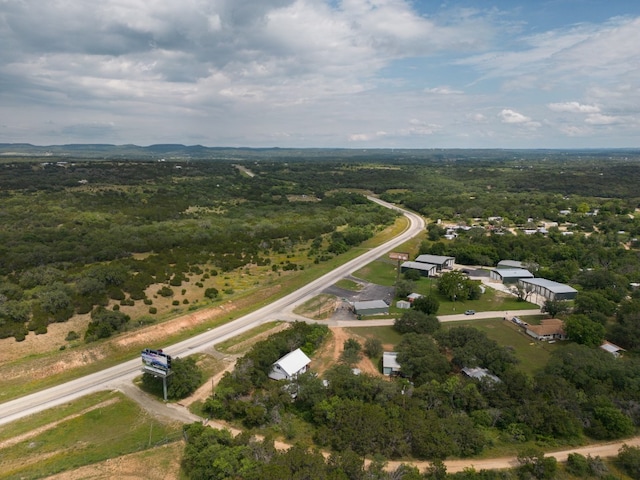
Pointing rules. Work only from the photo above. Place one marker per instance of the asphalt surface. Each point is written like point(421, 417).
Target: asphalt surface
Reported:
point(118, 376)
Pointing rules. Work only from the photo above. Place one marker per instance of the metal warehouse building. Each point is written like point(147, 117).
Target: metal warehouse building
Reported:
point(371, 307)
point(548, 289)
point(510, 275)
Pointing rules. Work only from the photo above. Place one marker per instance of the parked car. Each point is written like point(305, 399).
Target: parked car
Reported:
point(470, 312)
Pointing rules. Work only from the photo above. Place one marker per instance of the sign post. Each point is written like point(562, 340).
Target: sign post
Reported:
point(158, 364)
point(400, 257)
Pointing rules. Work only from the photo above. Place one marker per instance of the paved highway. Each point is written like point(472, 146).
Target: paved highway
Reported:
point(113, 377)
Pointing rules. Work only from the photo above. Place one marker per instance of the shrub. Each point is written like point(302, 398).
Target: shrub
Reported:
point(165, 292)
point(71, 336)
point(153, 310)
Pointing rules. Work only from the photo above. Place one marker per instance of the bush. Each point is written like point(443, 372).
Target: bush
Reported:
point(373, 347)
point(71, 336)
point(153, 310)
point(211, 293)
point(629, 460)
point(175, 302)
point(165, 292)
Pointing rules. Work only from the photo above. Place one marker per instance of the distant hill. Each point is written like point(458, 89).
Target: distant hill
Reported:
point(179, 152)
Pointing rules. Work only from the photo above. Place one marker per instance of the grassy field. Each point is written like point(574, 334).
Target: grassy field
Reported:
point(347, 284)
point(89, 430)
point(381, 272)
point(320, 307)
point(531, 354)
point(248, 337)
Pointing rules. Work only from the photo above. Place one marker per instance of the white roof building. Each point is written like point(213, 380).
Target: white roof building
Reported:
point(390, 363)
point(479, 373)
point(613, 349)
point(292, 364)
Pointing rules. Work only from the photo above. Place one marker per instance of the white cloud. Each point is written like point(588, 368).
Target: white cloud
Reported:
point(244, 71)
point(443, 90)
point(599, 119)
point(573, 107)
point(515, 118)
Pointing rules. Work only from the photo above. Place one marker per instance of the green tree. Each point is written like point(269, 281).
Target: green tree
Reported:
point(428, 304)
point(417, 322)
point(534, 464)
point(350, 351)
point(453, 285)
point(373, 347)
point(404, 288)
point(555, 308)
point(629, 460)
point(420, 358)
point(608, 422)
point(211, 293)
point(581, 329)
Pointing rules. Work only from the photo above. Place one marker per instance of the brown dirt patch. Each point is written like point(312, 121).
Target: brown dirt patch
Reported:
point(329, 353)
point(37, 344)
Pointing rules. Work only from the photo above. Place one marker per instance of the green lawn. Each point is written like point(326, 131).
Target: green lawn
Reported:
point(347, 284)
point(381, 272)
point(92, 429)
point(531, 354)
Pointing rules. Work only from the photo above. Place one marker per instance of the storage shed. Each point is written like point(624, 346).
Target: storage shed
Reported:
point(403, 304)
point(371, 307)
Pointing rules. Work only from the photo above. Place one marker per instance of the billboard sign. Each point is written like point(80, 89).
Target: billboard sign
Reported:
point(156, 361)
point(399, 256)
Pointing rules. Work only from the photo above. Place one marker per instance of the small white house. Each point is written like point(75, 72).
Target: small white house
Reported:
point(390, 365)
point(289, 366)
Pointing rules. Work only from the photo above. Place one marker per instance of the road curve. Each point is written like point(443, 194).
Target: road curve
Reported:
point(113, 377)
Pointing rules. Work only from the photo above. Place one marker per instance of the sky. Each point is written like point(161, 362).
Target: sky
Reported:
point(322, 73)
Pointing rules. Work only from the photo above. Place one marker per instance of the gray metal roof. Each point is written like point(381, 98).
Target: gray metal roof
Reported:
point(389, 360)
point(555, 287)
point(292, 362)
point(435, 259)
point(370, 304)
point(418, 265)
point(514, 273)
point(510, 264)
